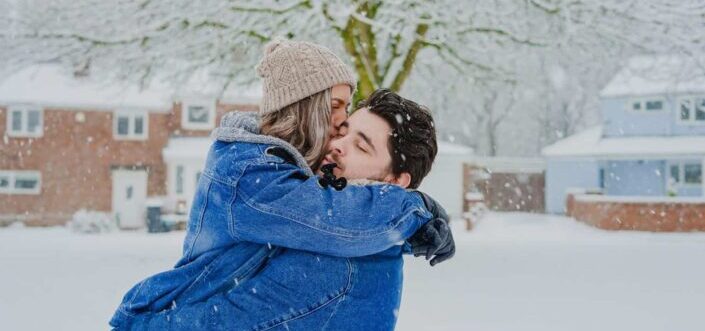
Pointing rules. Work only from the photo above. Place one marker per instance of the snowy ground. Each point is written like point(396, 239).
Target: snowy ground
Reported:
point(513, 272)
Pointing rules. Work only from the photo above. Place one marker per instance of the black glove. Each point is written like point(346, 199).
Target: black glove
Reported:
point(435, 237)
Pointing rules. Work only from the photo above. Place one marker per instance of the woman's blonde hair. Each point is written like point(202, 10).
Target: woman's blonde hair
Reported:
point(304, 124)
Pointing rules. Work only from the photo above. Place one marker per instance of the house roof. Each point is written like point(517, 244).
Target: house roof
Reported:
point(449, 148)
point(50, 85)
point(590, 143)
point(510, 164)
point(650, 75)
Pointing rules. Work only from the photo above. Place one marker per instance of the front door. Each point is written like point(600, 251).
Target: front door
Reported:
point(129, 197)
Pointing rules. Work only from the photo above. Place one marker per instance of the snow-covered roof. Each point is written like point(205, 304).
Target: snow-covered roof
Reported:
point(203, 84)
point(510, 164)
point(445, 147)
point(590, 143)
point(195, 148)
point(653, 75)
point(49, 85)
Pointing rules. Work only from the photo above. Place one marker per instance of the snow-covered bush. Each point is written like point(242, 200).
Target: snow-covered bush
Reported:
point(84, 221)
point(476, 213)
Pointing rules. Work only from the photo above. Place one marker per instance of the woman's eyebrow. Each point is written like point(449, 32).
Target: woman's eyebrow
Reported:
point(342, 102)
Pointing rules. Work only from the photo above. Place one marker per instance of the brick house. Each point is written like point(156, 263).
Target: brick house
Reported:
point(70, 143)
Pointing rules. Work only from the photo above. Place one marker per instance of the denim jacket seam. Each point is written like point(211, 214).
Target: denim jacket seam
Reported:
point(233, 192)
point(201, 216)
point(253, 265)
point(216, 178)
point(132, 299)
point(342, 293)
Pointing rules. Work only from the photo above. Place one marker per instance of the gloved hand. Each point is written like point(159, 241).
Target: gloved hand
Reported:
point(435, 237)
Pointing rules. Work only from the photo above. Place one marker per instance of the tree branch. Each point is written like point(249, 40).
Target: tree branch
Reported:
point(271, 10)
point(503, 33)
point(410, 57)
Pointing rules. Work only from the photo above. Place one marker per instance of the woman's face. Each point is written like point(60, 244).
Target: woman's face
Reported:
point(339, 103)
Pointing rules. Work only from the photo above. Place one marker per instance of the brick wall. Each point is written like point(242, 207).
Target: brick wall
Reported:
point(76, 159)
point(621, 214)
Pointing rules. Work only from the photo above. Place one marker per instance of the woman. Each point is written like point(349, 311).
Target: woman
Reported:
point(258, 193)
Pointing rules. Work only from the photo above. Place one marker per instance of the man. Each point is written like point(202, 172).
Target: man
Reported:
point(390, 140)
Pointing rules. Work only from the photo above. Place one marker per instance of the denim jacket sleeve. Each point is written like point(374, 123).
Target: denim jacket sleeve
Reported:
point(279, 205)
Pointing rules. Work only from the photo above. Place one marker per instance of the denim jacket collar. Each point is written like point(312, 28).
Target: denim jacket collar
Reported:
point(244, 127)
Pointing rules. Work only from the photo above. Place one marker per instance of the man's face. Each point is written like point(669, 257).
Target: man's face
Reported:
point(339, 102)
point(361, 148)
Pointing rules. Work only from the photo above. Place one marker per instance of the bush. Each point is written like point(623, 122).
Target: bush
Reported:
point(84, 221)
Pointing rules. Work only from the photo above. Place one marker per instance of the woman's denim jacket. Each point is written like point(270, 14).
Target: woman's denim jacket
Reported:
point(251, 203)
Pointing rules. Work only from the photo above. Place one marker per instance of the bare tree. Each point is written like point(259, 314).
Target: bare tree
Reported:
point(382, 38)
point(387, 42)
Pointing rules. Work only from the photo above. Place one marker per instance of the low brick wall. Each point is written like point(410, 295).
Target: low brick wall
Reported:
point(658, 214)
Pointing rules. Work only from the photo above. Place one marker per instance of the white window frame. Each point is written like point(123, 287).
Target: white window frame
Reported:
point(691, 120)
point(681, 174)
point(188, 125)
point(131, 116)
point(642, 102)
point(24, 132)
point(12, 175)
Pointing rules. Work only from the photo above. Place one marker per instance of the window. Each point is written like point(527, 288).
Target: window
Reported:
point(648, 105)
point(198, 115)
point(179, 179)
point(130, 125)
point(20, 182)
point(691, 110)
point(686, 173)
point(692, 173)
point(25, 121)
point(675, 173)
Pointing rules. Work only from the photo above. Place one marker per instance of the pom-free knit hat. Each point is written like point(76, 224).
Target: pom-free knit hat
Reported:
point(294, 70)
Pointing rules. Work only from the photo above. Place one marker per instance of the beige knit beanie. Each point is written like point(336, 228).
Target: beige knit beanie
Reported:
point(294, 70)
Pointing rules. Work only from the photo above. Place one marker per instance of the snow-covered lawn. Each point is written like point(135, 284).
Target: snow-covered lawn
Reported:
point(513, 272)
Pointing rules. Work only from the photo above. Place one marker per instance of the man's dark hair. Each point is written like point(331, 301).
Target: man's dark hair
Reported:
point(412, 143)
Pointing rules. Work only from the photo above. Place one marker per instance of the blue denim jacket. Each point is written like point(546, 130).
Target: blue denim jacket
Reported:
point(254, 209)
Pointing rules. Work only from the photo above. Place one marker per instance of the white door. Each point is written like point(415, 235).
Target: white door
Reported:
point(129, 197)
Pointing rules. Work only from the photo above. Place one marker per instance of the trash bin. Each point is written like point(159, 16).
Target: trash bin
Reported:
point(154, 216)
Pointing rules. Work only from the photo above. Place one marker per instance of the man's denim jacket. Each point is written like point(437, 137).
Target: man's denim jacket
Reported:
point(249, 205)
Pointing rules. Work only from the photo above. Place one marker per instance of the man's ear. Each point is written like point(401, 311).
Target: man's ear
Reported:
point(403, 180)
